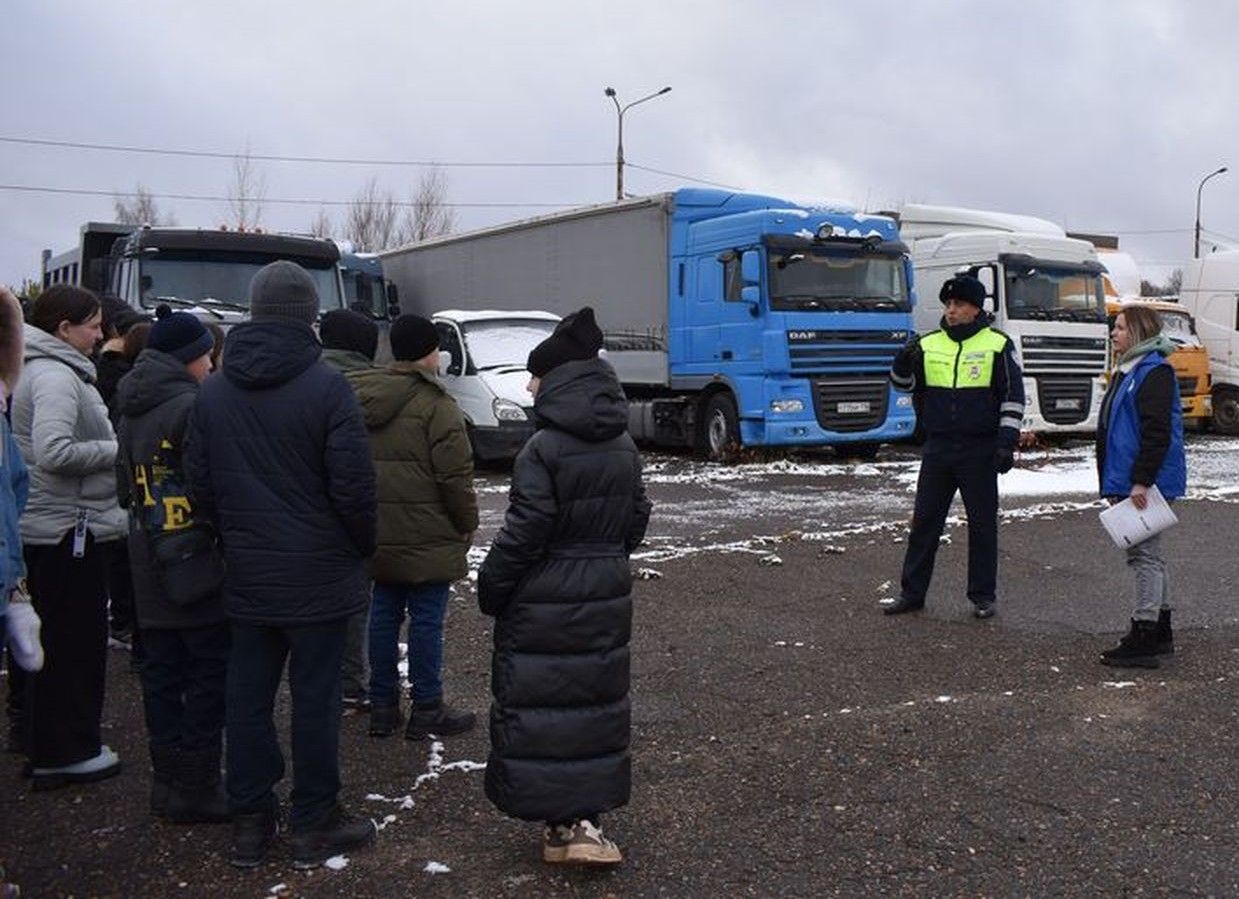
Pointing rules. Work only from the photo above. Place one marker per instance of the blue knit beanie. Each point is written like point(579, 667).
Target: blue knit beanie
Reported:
point(179, 334)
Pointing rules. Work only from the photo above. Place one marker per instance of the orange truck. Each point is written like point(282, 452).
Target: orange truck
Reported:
point(1190, 358)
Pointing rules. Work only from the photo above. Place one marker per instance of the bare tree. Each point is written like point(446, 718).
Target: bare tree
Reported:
point(372, 218)
point(246, 192)
point(428, 215)
point(321, 225)
point(139, 208)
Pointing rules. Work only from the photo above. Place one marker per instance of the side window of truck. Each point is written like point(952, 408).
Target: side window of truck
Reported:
point(732, 282)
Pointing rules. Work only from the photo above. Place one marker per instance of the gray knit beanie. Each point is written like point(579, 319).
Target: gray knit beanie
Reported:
point(283, 292)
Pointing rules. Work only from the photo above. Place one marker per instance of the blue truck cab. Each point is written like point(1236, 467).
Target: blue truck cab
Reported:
point(784, 319)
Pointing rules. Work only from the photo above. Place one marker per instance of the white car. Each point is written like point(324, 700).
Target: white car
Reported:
point(482, 364)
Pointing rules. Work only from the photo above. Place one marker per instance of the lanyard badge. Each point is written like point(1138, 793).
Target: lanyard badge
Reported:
point(79, 535)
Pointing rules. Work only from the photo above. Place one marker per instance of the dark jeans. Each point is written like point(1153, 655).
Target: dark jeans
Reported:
point(426, 605)
point(183, 681)
point(356, 658)
point(948, 465)
point(61, 706)
point(255, 763)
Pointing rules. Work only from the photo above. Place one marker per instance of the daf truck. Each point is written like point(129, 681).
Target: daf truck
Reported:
point(732, 319)
point(1210, 294)
point(1045, 291)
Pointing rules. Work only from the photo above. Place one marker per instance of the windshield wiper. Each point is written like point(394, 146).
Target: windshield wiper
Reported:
point(212, 303)
point(182, 303)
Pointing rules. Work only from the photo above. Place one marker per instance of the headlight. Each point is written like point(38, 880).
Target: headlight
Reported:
point(506, 410)
point(792, 405)
point(903, 401)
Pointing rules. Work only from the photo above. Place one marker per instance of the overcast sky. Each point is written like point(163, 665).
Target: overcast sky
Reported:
point(1098, 114)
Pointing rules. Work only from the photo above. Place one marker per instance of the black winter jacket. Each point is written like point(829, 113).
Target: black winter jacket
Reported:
point(280, 461)
point(153, 403)
point(557, 580)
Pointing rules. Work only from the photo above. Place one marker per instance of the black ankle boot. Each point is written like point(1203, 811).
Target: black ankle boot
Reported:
point(197, 795)
point(1165, 634)
point(252, 835)
point(337, 832)
point(1136, 650)
point(438, 720)
point(164, 763)
point(385, 720)
point(902, 605)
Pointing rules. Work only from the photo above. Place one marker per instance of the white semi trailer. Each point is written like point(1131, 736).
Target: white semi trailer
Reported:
point(1210, 293)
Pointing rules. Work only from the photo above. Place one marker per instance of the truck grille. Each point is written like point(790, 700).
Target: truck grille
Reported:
point(847, 405)
point(1187, 386)
point(1065, 401)
point(844, 352)
point(1063, 355)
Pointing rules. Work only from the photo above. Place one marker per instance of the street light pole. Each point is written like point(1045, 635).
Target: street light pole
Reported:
point(619, 142)
point(1196, 252)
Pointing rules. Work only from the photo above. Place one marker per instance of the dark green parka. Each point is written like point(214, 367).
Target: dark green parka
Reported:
point(424, 465)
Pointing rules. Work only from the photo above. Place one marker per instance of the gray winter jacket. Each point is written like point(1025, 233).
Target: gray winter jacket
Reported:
point(66, 440)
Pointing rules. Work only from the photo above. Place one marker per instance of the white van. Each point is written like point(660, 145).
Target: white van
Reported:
point(482, 357)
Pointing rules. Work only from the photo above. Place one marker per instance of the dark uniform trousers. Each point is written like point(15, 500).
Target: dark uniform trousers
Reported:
point(949, 464)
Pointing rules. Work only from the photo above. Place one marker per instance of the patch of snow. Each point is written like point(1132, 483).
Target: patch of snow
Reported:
point(336, 862)
point(943, 698)
point(648, 574)
point(771, 559)
point(1118, 684)
point(436, 868)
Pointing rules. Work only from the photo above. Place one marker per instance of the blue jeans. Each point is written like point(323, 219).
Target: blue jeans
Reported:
point(426, 605)
point(255, 763)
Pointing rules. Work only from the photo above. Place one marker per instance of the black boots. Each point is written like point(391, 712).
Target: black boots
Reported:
point(252, 835)
point(1165, 634)
point(197, 795)
point(438, 720)
point(901, 605)
point(337, 832)
point(385, 720)
point(1136, 650)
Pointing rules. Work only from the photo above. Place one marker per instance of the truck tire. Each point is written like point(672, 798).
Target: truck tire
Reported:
point(720, 427)
point(867, 451)
point(1226, 411)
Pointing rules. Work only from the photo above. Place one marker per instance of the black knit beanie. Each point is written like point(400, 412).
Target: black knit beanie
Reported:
point(344, 329)
point(412, 338)
point(963, 287)
point(179, 334)
point(577, 336)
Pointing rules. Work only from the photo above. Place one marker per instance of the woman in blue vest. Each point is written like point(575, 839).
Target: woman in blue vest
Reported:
point(1139, 444)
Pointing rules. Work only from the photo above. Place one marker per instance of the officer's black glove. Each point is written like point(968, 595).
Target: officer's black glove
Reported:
point(1004, 459)
point(905, 357)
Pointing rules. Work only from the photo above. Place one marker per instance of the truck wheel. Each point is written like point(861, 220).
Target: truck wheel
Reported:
point(1226, 411)
point(720, 428)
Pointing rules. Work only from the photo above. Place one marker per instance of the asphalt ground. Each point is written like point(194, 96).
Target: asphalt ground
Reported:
point(789, 739)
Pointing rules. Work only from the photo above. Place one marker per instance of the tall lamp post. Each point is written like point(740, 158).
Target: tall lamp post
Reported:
point(1196, 252)
point(619, 143)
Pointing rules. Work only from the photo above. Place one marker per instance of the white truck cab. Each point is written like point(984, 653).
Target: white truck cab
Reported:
point(1045, 290)
point(482, 364)
point(1210, 293)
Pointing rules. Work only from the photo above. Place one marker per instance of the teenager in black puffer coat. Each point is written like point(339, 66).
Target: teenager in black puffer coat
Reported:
point(557, 580)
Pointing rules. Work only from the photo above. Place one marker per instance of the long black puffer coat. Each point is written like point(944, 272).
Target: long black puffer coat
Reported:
point(558, 583)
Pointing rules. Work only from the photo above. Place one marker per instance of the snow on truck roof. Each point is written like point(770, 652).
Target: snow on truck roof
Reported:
point(475, 315)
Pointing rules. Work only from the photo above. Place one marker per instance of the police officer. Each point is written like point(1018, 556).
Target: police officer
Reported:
point(969, 395)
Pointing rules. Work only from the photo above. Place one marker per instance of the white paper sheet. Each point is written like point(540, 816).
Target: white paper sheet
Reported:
point(1128, 525)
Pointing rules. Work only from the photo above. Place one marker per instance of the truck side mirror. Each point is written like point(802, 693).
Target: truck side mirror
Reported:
point(750, 269)
point(393, 302)
point(445, 362)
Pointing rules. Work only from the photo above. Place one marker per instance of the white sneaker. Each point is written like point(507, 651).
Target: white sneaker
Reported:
point(104, 765)
point(587, 846)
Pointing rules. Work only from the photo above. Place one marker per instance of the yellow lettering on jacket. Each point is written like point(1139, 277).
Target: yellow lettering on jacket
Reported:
point(176, 512)
point(140, 478)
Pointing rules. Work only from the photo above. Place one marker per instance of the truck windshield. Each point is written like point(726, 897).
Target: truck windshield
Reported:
point(1044, 292)
point(806, 280)
point(1178, 327)
point(505, 342)
point(223, 277)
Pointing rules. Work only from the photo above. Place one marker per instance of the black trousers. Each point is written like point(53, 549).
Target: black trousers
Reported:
point(183, 680)
point(950, 465)
point(255, 763)
point(61, 706)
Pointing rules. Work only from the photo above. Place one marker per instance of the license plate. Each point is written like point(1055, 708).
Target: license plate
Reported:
point(853, 408)
point(1067, 404)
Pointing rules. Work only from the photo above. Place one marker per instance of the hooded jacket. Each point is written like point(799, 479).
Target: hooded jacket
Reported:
point(424, 465)
point(67, 442)
point(153, 403)
point(558, 582)
point(278, 460)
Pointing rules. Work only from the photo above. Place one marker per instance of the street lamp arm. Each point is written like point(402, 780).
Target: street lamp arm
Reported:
point(657, 93)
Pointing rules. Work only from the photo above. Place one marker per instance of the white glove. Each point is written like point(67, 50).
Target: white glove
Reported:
point(24, 626)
